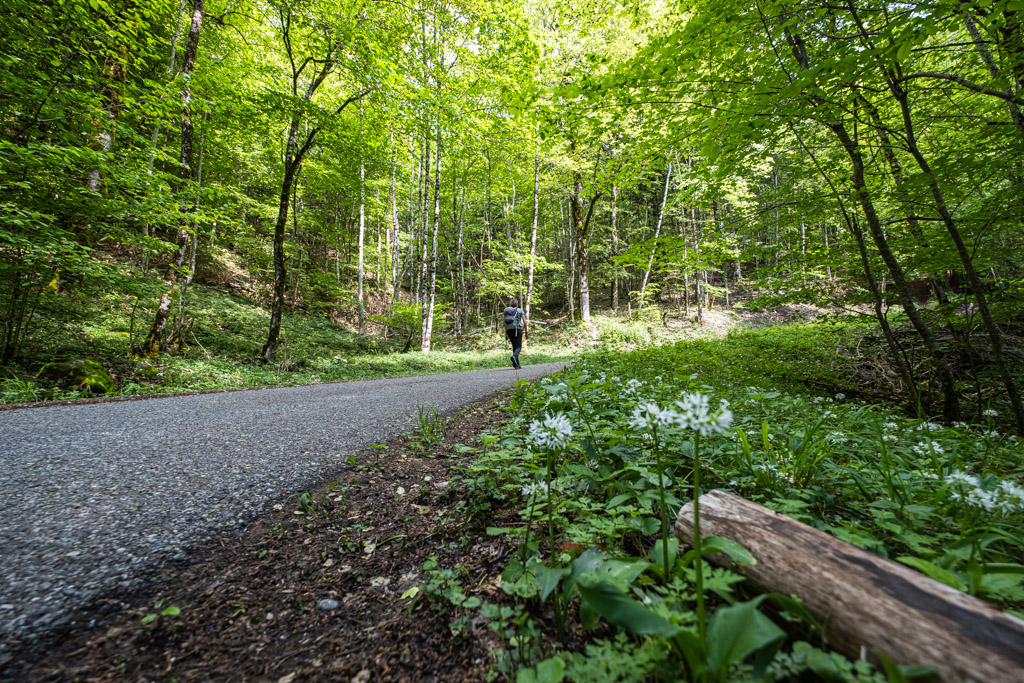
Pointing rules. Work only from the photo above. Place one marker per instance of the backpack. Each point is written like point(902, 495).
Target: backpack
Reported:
point(511, 318)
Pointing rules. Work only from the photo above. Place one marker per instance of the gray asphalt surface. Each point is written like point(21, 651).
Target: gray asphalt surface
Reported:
point(92, 497)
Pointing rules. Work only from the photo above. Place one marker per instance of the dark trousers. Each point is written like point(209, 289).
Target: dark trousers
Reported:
point(516, 337)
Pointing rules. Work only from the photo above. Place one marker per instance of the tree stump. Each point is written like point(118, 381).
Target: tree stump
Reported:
point(866, 603)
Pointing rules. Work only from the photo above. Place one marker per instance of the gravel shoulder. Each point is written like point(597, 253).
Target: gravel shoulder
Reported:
point(95, 496)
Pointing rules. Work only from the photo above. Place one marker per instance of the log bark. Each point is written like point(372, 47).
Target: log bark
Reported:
point(867, 603)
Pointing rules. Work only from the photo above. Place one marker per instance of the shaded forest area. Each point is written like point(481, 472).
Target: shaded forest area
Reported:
point(407, 167)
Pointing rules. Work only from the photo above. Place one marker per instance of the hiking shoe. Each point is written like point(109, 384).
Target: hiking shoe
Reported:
point(514, 363)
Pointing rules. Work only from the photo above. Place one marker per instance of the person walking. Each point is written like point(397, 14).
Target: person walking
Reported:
point(513, 317)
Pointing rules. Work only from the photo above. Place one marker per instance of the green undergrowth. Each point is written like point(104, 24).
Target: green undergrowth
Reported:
point(222, 334)
point(593, 465)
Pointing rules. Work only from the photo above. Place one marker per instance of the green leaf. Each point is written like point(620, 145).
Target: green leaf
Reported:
point(737, 631)
point(547, 578)
point(934, 571)
point(549, 671)
point(619, 500)
point(588, 561)
point(735, 550)
point(616, 607)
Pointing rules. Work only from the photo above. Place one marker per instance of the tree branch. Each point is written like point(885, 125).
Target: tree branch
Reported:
point(939, 75)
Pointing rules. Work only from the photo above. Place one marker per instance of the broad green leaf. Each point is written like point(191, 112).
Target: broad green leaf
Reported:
point(547, 578)
point(737, 631)
point(616, 607)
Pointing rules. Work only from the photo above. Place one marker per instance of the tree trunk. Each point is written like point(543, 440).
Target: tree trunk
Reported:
point(866, 604)
point(899, 358)
point(1015, 113)
point(615, 248)
point(657, 233)
point(533, 233)
point(421, 289)
point(280, 275)
point(581, 225)
point(994, 334)
point(393, 243)
point(431, 293)
point(951, 403)
point(151, 346)
point(362, 224)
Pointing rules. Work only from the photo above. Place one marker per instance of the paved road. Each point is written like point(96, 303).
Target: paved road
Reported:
point(93, 496)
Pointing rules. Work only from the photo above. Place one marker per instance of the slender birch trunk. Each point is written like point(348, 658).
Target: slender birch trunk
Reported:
point(362, 224)
point(657, 234)
point(431, 293)
point(533, 233)
point(151, 346)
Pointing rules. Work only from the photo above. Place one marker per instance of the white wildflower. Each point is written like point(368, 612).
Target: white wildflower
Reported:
point(695, 412)
point(1012, 492)
point(958, 477)
point(981, 498)
point(552, 433)
point(648, 416)
point(891, 426)
point(840, 396)
point(538, 488)
point(988, 412)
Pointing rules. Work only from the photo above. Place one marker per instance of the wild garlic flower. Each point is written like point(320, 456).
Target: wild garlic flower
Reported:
point(773, 470)
point(632, 387)
point(1012, 493)
point(692, 412)
point(537, 488)
point(553, 432)
point(648, 416)
point(1006, 498)
point(695, 412)
point(958, 477)
point(926, 447)
point(988, 412)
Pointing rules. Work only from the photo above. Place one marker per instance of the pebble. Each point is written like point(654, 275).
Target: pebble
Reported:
point(327, 605)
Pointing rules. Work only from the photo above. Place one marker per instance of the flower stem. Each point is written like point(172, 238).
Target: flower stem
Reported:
point(697, 544)
point(664, 508)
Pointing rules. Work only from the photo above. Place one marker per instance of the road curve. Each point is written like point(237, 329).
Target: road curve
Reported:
point(92, 496)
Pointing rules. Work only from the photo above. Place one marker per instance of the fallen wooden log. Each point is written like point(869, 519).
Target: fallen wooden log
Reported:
point(865, 602)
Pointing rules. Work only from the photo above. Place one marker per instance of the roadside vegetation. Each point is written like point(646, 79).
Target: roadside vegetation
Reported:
point(586, 477)
point(216, 346)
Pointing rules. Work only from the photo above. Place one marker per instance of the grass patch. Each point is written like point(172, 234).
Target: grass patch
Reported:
point(219, 347)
